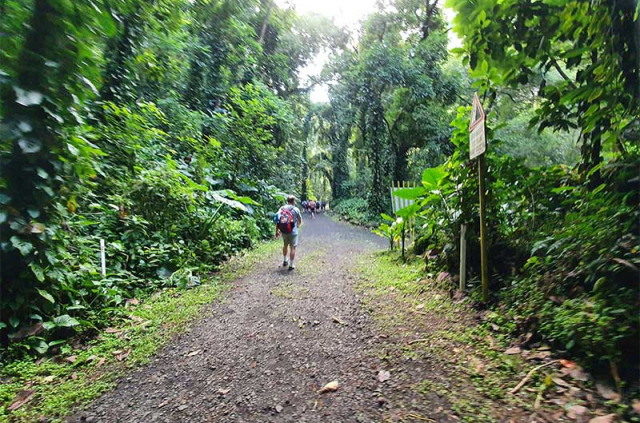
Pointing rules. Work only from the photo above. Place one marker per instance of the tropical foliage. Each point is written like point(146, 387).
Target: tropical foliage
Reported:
point(162, 128)
point(563, 237)
point(171, 129)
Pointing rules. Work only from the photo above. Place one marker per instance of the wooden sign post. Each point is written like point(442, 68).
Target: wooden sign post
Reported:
point(477, 148)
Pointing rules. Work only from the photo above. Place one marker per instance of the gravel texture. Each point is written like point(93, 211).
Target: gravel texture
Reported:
point(263, 354)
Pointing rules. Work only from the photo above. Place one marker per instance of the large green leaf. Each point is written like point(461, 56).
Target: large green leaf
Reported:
point(65, 321)
point(25, 247)
point(410, 193)
point(408, 211)
point(218, 196)
point(40, 346)
point(46, 296)
point(431, 177)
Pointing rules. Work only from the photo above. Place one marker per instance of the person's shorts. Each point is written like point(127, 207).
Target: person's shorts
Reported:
point(290, 239)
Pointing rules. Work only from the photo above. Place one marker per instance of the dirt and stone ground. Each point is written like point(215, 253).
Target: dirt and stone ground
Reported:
point(263, 353)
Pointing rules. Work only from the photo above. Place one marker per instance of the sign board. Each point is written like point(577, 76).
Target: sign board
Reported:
point(477, 112)
point(477, 139)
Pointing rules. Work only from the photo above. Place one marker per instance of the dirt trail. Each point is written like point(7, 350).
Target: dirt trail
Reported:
point(263, 353)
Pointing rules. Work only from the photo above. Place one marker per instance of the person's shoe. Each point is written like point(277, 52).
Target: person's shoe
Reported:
point(285, 263)
point(292, 267)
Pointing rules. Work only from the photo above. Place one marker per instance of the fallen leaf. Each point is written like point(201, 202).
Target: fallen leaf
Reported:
point(420, 306)
point(578, 374)
point(163, 403)
point(561, 382)
point(117, 352)
point(513, 351)
point(576, 411)
point(192, 353)
point(607, 392)
point(383, 375)
point(123, 355)
point(71, 359)
point(392, 288)
point(92, 358)
point(136, 318)
point(609, 418)
point(132, 301)
point(495, 327)
point(113, 330)
point(224, 391)
point(337, 320)
point(540, 355)
point(492, 341)
point(330, 387)
point(74, 375)
point(48, 379)
point(21, 398)
point(567, 363)
point(478, 367)
point(101, 362)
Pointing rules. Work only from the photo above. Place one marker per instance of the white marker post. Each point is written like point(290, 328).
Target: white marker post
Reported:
point(103, 262)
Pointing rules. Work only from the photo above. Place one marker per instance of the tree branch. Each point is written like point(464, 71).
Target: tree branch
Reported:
point(561, 72)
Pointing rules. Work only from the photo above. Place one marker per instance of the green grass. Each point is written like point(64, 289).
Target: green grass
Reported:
point(479, 375)
point(60, 386)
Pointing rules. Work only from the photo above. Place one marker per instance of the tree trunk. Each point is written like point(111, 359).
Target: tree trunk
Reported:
point(304, 189)
point(265, 22)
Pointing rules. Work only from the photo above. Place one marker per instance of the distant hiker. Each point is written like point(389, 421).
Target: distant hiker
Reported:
point(312, 208)
point(304, 206)
point(287, 220)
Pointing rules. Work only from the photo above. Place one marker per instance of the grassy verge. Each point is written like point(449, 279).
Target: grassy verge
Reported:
point(472, 374)
point(54, 386)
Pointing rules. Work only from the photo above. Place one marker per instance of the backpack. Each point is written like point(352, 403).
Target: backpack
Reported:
point(286, 221)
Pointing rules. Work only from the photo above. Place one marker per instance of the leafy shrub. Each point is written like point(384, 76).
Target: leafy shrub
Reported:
point(563, 253)
point(356, 210)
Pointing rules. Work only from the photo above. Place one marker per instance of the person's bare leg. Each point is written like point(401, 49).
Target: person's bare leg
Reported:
point(292, 255)
point(284, 252)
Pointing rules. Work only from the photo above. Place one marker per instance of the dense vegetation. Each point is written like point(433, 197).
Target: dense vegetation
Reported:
point(559, 82)
point(161, 127)
point(171, 129)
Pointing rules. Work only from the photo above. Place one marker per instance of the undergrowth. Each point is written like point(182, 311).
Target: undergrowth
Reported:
point(420, 313)
point(356, 211)
point(82, 372)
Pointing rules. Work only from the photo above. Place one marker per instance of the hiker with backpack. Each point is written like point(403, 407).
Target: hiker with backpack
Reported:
point(312, 208)
point(288, 220)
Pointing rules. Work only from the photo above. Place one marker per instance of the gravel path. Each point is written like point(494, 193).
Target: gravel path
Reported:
point(263, 353)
